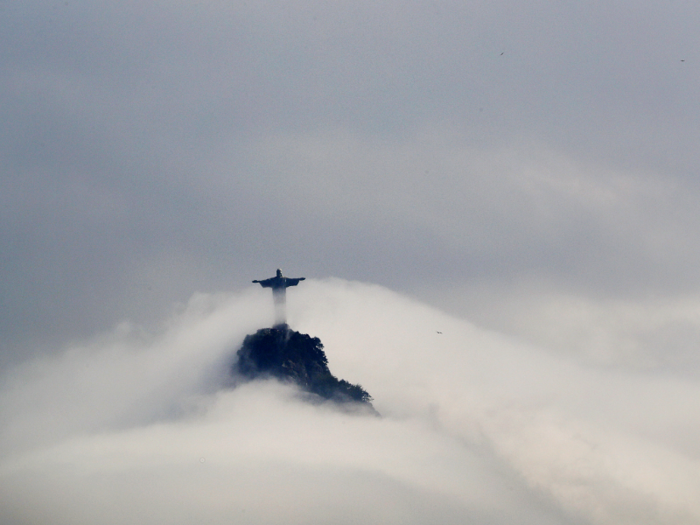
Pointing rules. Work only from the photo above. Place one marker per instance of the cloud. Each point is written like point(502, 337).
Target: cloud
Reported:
point(476, 426)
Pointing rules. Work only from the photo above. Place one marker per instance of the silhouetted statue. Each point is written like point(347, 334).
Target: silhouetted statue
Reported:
point(279, 284)
point(279, 281)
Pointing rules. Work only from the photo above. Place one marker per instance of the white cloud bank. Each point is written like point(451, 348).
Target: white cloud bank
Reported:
point(476, 427)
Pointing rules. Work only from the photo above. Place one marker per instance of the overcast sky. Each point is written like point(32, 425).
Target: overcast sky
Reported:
point(528, 167)
point(465, 153)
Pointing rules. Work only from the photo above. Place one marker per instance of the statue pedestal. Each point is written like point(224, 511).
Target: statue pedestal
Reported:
point(280, 297)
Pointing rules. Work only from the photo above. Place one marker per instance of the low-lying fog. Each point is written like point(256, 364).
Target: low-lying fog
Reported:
point(476, 428)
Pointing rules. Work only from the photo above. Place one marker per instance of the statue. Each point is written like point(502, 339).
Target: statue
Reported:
point(279, 285)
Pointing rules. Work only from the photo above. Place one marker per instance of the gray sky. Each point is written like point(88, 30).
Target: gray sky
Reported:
point(455, 151)
point(529, 167)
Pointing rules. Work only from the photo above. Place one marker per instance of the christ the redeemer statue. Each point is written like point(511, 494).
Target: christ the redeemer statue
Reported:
point(279, 285)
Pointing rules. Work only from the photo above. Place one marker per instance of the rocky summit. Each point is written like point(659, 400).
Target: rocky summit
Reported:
point(295, 357)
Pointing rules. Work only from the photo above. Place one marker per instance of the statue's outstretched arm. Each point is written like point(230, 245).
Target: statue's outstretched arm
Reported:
point(292, 281)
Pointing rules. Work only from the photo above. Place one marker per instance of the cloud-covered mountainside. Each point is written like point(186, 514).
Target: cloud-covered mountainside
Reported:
point(477, 428)
point(298, 358)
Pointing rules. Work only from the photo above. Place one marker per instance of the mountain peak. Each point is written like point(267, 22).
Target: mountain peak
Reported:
point(294, 357)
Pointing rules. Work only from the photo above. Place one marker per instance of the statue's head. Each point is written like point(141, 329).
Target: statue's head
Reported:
point(279, 272)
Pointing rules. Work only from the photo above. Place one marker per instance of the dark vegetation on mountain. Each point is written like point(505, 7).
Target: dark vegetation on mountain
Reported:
point(299, 358)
